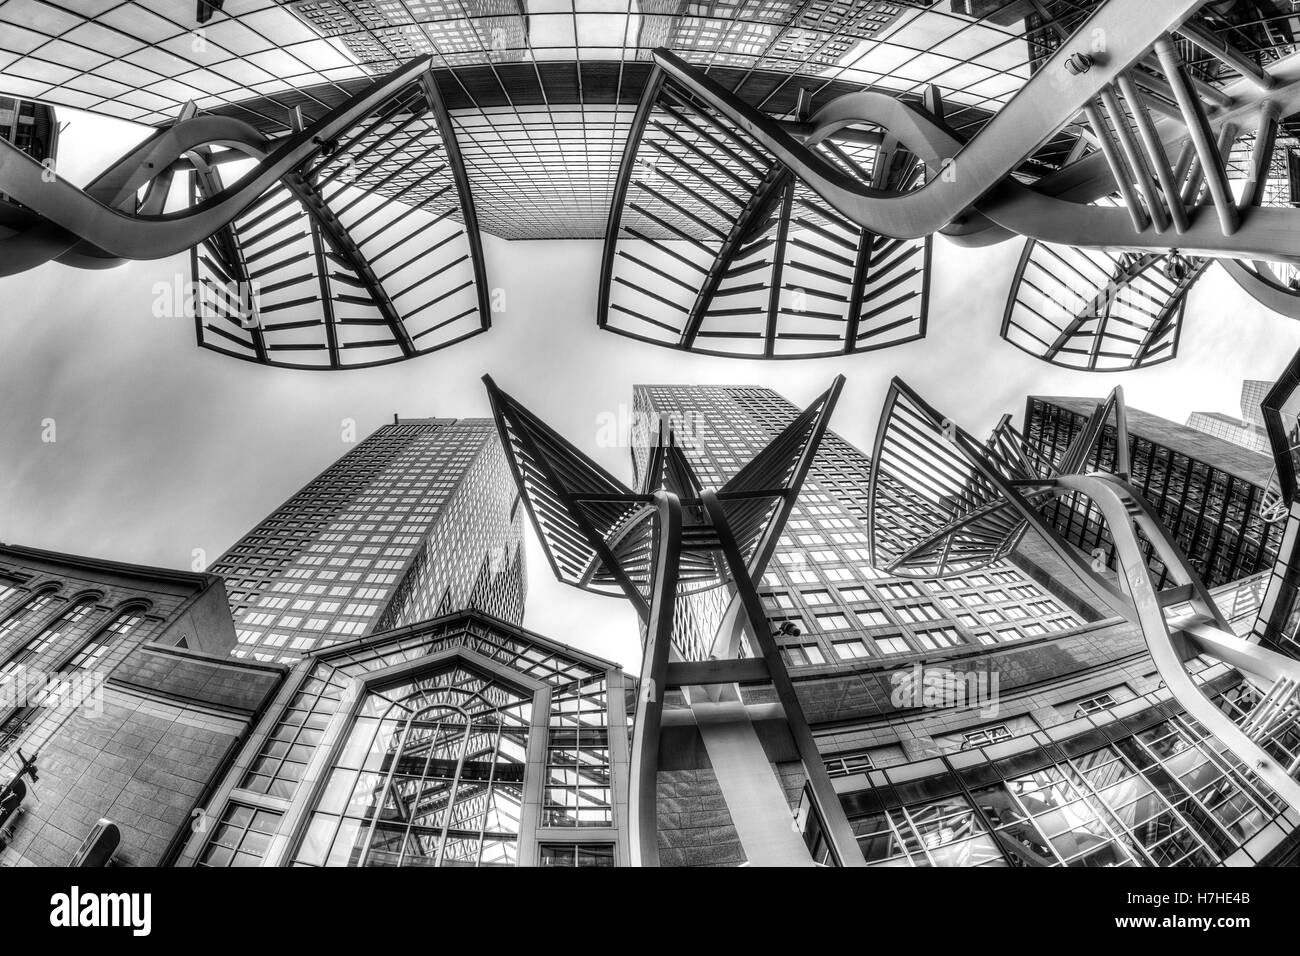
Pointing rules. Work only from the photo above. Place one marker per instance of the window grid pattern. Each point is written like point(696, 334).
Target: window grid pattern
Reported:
point(94, 650)
point(416, 520)
point(821, 579)
point(579, 788)
point(577, 854)
point(241, 838)
point(71, 618)
point(1212, 514)
point(431, 774)
point(1168, 795)
point(25, 612)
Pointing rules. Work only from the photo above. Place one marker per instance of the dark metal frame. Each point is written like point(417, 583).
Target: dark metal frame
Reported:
point(1111, 339)
point(653, 545)
point(737, 208)
point(105, 224)
point(346, 275)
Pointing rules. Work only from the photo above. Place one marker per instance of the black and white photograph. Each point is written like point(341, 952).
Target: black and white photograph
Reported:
point(635, 434)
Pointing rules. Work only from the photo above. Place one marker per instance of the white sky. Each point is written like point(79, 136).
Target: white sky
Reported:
point(163, 447)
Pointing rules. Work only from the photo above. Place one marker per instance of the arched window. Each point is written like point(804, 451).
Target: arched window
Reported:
point(7, 589)
point(73, 614)
point(93, 651)
point(33, 605)
point(431, 774)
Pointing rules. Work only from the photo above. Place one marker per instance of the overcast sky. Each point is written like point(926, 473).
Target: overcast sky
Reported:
point(163, 448)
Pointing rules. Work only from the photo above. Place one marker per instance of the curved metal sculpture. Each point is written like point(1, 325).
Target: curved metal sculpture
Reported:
point(978, 199)
point(938, 501)
point(1173, 642)
point(1151, 181)
point(714, 247)
point(671, 539)
point(350, 242)
point(1278, 625)
point(1180, 622)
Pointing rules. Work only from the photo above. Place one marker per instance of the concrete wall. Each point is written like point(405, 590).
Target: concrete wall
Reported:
point(169, 722)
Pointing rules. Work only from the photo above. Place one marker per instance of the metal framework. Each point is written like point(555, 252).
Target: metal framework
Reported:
point(670, 539)
point(350, 242)
point(1098, 311)
point(936, 501)
point(929, 512)
point(1179, 141)
point(1278, 625)
point(714, 247)
point(1179, 622)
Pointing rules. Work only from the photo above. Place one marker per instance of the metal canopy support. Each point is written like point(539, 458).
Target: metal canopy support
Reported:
point(390, 234)
point(656, 647)
point(758, 208)
point(468, 211)
point(839, 833)
point(1171, 640)
point(656, 546)
point(708, 232)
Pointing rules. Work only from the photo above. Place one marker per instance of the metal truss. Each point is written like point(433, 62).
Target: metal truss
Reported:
point(1180, 139)
point(1181, 622)
point(1277, 625)
point(350, 242)
point(715, 247)
point(598, 533)
point(675, 537)
point(937, 502)
point(1096, 310)
point(930, 513)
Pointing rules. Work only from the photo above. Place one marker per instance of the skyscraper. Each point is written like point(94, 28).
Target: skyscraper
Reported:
point(839, 608)
point(946, 710)
point(418, 520)
point(1248, 431)
point(1208, 491)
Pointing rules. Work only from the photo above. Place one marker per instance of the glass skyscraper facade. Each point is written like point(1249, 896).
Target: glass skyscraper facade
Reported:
point(991, 718)
point(1248, 431)
point(1238, 431)
point(821, 580)
point(1207, 491)
point(543, 95)
point(1147, 790)
point(418, 520)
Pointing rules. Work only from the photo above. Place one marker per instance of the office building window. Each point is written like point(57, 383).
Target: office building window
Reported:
point(842, 765)
point(892, 645)
point(577, 854)
point(851, 650)
point(242, 838)
point(803, 655)
point(985, 735)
